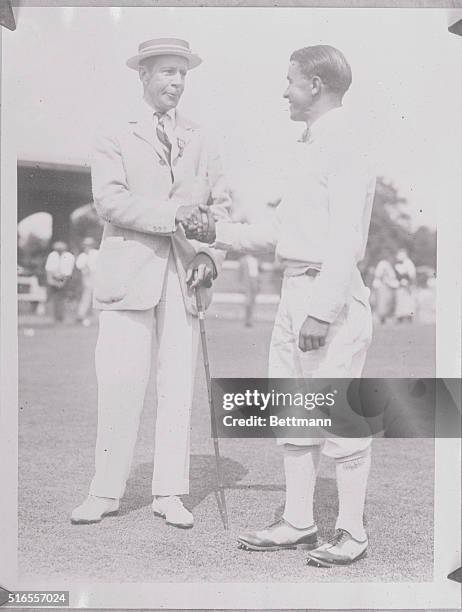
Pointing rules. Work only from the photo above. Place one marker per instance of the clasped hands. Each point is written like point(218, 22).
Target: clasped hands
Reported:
point(198, 224)
point(197, 221)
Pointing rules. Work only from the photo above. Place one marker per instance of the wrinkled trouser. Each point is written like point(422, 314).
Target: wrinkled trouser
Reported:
point(343, 355)
point(123, 366)
point(85, 304)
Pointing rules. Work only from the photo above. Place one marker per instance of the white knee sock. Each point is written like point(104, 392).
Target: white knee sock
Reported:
point(352, 474)
point(301, 468)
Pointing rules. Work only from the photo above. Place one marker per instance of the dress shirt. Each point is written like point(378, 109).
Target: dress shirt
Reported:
point(60, 264)
point(86, 262)
point(323, 219)
point(406, 268)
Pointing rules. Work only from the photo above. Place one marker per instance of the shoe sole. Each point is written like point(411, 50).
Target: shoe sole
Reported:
point(179, 525)
point(317, 563)
point(254, 547)
point(91, 522)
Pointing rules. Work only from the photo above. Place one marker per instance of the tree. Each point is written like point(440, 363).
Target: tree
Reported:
point(423, 251)
point(390, 225)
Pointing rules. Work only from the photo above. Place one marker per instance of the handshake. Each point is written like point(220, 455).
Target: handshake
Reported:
point(197, 221)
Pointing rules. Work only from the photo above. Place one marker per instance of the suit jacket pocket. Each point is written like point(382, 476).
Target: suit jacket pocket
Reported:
point(118, 265)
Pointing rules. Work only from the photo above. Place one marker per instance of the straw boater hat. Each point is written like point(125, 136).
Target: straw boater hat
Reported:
point(164, 45)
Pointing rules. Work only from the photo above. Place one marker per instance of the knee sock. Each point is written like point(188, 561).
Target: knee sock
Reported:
point(352, 475)
point(301, 468)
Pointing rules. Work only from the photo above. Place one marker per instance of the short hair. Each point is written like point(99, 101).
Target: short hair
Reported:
point(326, 62)
point(148, 62)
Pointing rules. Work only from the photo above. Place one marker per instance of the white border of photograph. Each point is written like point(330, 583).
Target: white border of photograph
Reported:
point(441, 593)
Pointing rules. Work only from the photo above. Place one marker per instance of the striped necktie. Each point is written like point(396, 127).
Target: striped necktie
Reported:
point(306, 136)
point(163, 137)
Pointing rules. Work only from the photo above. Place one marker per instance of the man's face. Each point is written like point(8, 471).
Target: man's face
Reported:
point(299, 93)
point(164, 80)
point(60, 247)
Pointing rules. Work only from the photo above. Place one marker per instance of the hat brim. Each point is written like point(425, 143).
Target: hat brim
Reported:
point(193, 59)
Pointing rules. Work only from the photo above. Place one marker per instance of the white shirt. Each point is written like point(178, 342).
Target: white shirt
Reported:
point(60, 264)
point(86, 262)
point(406, 268)
point(323, 219)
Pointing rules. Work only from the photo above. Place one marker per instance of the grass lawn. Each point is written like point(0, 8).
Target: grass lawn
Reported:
point(57, 435)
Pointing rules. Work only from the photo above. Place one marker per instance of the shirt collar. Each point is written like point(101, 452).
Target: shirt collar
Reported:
point(171, 114)
point(323, 124)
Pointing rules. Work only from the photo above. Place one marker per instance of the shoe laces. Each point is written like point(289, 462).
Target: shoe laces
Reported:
point(340, 537)
point(282, 521)
point(279, 521)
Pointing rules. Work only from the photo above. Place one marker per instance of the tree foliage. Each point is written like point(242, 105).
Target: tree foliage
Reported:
point(390, 230)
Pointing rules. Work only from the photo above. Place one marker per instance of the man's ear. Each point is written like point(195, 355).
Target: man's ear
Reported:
point(316, 85)
point(143, 73)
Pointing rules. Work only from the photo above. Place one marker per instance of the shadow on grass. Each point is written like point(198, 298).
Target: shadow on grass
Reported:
point(203, 482)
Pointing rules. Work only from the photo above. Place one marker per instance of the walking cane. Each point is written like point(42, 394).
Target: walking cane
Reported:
point(219, 493)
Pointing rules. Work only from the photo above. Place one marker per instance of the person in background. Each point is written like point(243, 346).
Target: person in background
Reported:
point(59, 267)
point(86, 263)
point(384, 287)
point(249, 272)
point(405, 304)
point(425, 295)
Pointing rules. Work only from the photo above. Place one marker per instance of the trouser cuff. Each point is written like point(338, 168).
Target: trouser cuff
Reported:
point(162, 488)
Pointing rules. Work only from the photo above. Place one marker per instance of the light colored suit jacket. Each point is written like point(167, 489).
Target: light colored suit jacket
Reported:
point(134, 195)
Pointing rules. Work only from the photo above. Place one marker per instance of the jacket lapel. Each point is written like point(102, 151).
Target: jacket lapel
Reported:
point(143, 127)
point(184, 130)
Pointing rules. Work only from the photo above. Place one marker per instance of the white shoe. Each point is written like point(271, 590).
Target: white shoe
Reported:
point(94, 509)
point(341, 549)
point(172, 510)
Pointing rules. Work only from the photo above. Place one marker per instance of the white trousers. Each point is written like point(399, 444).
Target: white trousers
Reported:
point(85, 304)
point(343, 355)
point(126, 341)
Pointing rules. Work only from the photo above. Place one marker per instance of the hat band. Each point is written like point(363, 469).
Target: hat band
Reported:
point(162, 42)
point(165, 48)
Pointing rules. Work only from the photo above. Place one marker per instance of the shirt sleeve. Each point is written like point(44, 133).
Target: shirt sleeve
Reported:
point(248, 237)
point(68, 264)
point(411, 270)
point(349, 184)
point(81, 261)
point(50, 265)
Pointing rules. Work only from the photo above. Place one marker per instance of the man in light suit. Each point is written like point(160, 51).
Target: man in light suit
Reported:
point(149, 169)
point(323, 325)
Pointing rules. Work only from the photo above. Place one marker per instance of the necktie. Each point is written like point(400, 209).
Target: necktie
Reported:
point(306, 136)
point(163, 137)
